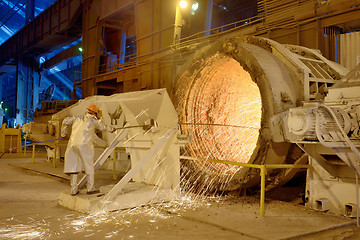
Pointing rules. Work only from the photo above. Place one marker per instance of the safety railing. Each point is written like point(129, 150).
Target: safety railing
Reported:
point(51, 107)
point(56, 148)
point(33, 146)
point(77, 76)
point(57, 144)
point(217, 31)
point(114, 158)
point(131, 60)
point(119, 63)
point(263, 168)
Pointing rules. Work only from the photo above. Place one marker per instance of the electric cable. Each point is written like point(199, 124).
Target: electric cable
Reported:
point(10, 10)
point(12, 15)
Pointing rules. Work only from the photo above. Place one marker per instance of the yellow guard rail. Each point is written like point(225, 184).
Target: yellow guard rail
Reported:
point(262, 168)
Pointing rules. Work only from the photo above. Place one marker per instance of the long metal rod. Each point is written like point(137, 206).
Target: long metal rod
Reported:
point(133, 126)
point(217, 124)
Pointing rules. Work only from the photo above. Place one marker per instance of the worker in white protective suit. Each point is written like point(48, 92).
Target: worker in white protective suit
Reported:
point(80, 150)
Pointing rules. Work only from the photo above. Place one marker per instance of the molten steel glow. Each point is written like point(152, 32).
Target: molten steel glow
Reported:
point(225, 106)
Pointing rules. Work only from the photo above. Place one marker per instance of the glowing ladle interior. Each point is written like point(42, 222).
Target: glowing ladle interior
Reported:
point(225, 105)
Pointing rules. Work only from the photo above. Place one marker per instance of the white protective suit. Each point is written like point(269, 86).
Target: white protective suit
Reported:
point(80, 150)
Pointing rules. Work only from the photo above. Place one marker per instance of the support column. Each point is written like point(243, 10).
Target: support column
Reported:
point(92, 31)
point(209, 10)
point(35, 90)
point(123, 46)
point(30, 11)
point(2, 112)
point(178, 25)
point(1, 95)
point(26, 89)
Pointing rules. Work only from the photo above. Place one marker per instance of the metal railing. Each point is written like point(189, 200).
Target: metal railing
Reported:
point(51, 107)
point(119, 63)
point(220, 30)
point(263, 168)
point(132, 60)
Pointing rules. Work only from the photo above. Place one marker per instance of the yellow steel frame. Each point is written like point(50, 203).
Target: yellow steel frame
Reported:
point(9, 137)
point(263, 169)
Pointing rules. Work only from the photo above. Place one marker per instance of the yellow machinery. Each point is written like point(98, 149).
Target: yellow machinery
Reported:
point(9, 138)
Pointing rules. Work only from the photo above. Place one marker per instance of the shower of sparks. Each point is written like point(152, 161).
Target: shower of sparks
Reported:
point(106, 225)
point(22, 231)
point(224, 105)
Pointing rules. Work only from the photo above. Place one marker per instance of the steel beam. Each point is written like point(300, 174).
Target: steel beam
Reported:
point(46, 31)
point(68, 53)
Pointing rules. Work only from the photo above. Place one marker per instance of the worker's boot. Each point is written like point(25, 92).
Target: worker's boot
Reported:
point(73, 183)
point(90, 184)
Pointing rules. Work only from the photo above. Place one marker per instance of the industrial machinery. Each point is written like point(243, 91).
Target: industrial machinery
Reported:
point(147, 122)
point(328, 131)
point(252, 100)
point(233, 91)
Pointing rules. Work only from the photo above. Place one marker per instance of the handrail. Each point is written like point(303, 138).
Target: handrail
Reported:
point(262, 168)
point(53, 106)
point(132, 60)
point(119, 63)
point(222, 29)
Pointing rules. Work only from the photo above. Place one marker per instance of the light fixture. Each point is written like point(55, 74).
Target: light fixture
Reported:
point(195, 6)
point(80, 49)
point(183, 4)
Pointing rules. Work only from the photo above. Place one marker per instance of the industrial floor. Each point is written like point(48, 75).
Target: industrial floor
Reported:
point(29, 210)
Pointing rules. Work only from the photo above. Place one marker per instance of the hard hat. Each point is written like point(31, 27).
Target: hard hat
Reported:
point(93, 108)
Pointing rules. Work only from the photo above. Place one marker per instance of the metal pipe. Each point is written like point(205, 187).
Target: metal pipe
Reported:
point(143, 126)
point(215, 124)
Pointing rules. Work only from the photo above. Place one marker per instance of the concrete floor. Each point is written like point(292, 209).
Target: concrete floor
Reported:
point(29, 210)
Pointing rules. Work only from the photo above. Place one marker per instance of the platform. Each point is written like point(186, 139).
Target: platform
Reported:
point(133, 195)
point(29, 205)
